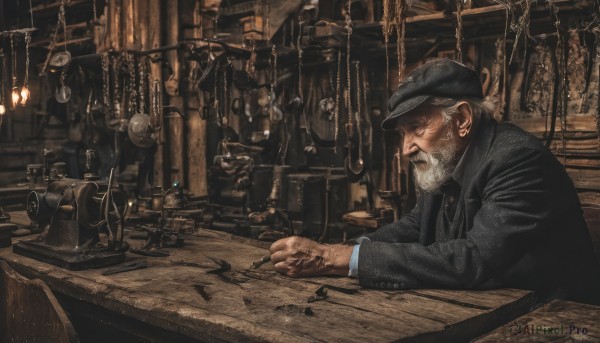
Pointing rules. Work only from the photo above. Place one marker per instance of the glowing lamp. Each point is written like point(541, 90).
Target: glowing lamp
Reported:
point(24, 95)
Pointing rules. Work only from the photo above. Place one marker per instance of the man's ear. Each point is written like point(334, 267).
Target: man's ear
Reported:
point(464, 119)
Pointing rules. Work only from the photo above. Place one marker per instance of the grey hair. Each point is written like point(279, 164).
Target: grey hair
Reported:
point(482, 108)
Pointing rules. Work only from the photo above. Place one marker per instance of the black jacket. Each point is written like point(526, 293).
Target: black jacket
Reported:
point(518, 223)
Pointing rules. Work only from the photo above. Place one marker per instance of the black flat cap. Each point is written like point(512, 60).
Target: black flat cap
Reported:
point(437, 78)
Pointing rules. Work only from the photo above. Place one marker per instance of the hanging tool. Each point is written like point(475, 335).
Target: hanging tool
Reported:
point(309, 147)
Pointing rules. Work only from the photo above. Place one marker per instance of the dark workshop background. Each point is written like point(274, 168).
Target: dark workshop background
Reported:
point(241, 92)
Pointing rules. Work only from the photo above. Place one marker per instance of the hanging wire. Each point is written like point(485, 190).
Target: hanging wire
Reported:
point(31, 13)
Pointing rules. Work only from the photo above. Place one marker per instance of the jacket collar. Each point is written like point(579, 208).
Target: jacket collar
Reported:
point(476, 151)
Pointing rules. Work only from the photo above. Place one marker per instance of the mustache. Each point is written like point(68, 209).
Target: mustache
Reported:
point(419, 157)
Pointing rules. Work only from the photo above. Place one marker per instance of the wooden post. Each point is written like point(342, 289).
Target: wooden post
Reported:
point(196, 171)
point(130, 17)
point(175, 123)
point(154, 41)
point(114, 11)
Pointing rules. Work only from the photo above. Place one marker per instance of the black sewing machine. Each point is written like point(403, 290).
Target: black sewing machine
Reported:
point(76, 212)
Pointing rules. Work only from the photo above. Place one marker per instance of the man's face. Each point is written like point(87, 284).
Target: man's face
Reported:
point(431, 145)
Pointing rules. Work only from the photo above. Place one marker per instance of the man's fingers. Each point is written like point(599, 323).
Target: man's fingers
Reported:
point(285, 269)
point(279, 245)
point(278, 256)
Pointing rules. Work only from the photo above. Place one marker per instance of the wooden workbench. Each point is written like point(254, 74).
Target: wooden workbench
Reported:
point(178, 298)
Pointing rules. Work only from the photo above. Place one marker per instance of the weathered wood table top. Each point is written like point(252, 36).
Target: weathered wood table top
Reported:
point(183, 294)
point(557, 321)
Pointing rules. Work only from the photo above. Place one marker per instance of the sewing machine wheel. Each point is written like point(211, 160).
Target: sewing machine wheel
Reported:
point(33, 205)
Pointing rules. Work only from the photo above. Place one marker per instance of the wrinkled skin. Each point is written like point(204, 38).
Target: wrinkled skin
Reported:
point(297, 256)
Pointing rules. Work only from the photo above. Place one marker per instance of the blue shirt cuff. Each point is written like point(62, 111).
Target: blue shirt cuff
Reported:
point(353, 266)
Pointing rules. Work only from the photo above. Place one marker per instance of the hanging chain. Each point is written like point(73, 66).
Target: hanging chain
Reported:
point(386, 28)
point(142, 65)
point(348, 67)
point(131, 83)
point(563, 46)
point(400, 34)
point(53, 44)
point(216, 97)
point(156, 105)
point(226, 102)
point(274, 56)
point(105, 79)
point(358, 110)
point(94, 11)
point(331, 83)
point(459, 30)
point(62, 20)
point(27, 41)
point(300, 53)
point(116, 96)
point(14, 61)
point(338, 95)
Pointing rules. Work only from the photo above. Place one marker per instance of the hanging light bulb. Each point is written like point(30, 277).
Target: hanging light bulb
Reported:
point(15, 96)
point(15, 91)
point(25, 90)
point(2, 109)
point(24, 95)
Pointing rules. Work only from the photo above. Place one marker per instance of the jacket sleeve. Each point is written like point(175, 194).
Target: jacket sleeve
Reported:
point(402, 231)
point(514, 208)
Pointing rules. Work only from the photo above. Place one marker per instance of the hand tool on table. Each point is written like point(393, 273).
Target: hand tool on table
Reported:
point(258, 263)
point(125, 268)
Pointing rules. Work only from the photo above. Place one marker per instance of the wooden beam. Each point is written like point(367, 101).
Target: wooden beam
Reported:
point(574, 123)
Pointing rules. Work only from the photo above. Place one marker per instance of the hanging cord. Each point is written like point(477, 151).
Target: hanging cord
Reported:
point(27, 41)
point(142, 83)
point(300, 81)
point(107, 195)
point(61, 13)
point(300, 53)
point(348, 67)
point(359, 114)
point(116, 99)
point(400, 34)
point(105, 63)
point(31, 13)
point(338, 95)
point(564, 85)
point(459, 30)
point(94, 11)
point(386, 28)
point(14, 62)
point(63, 21)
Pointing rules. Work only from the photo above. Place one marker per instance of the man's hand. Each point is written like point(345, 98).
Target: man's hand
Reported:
point(297, 256)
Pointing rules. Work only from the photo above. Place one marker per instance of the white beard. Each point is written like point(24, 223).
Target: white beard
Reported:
point(438, 165)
